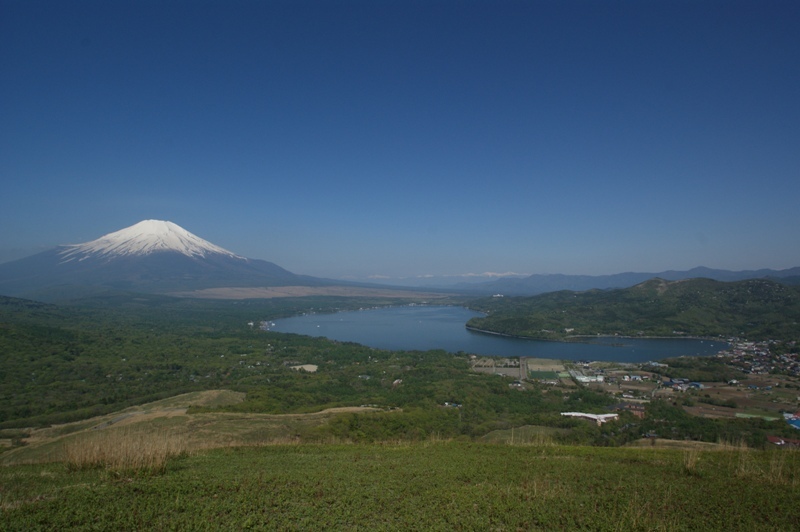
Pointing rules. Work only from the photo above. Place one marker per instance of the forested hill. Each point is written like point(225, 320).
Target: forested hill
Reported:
point(756, 309)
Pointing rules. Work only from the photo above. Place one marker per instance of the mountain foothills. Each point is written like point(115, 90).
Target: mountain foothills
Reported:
point(755, 308)
point(151, 256)
point(71, 363)
point(544, 283)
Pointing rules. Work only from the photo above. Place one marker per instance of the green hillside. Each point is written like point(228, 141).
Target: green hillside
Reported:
point(66, 364)
point(154, 413)
point(756, 309)
point(63, 364)
point(419, 486)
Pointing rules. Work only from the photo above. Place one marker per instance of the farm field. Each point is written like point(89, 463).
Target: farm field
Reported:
point(521, 368)
point(439, 485)
point(757, 395)
point(741, 395)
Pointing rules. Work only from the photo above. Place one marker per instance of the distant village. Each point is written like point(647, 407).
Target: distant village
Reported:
point(756, 358)
point(769, 388)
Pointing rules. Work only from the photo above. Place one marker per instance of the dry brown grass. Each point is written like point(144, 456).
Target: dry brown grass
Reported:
point(726, 445)
point(664, 443)
point(145, 438)
point(690, 459)
point(779, 469)
point(125, 449)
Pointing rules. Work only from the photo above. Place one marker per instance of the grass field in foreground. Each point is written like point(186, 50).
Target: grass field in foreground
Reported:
point(418, 486)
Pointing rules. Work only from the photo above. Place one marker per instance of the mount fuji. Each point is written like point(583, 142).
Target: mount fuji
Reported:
point(145, 238)
point(151, 256)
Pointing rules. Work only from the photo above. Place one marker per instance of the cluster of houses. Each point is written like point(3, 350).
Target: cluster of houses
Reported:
point(589, 375)
point(784, 442)
point(582, 378)
point(635, 378)
point(757, 359)
point(793, 419)
point(681, 385)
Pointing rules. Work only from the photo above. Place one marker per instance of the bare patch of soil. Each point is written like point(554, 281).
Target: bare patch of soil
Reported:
point(269, 292)
point(202, 430)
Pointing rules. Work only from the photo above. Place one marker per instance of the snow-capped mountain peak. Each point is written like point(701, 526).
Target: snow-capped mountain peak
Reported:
point(144, 238)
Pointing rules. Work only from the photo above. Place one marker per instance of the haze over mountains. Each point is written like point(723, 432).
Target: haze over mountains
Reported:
point(543, 283)
point(161, 257)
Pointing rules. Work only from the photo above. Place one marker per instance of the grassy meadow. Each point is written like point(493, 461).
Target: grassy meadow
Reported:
point(432, 485)
point(160, 466)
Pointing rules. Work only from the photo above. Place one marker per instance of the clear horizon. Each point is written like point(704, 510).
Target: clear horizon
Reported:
point(364, 140)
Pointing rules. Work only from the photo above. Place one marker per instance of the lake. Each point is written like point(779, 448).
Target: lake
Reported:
point(442, 327)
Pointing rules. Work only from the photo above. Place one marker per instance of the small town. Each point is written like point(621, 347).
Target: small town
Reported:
point(758, 358)
point(767, 383)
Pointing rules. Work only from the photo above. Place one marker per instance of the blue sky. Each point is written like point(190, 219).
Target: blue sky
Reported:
point(402, 138)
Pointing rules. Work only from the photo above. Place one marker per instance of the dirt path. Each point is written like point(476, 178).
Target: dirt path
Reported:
point(174, 407)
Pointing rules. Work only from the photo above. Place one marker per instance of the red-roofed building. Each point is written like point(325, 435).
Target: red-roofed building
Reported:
point(783, 441)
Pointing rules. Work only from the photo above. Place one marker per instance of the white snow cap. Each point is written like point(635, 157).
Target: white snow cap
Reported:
point(148, 236)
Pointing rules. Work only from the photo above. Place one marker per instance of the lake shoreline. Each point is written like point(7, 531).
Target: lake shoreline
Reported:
point(430, 327)
point(574, 339)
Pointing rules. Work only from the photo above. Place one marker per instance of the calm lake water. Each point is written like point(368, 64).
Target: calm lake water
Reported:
point(438, 327)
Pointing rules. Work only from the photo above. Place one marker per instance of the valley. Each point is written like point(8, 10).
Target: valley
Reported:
point(362, 265)
point(140, 384)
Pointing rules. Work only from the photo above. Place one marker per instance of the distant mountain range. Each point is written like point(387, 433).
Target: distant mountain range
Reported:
point(541, 284)
point(150, 256)
point(155, 256)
